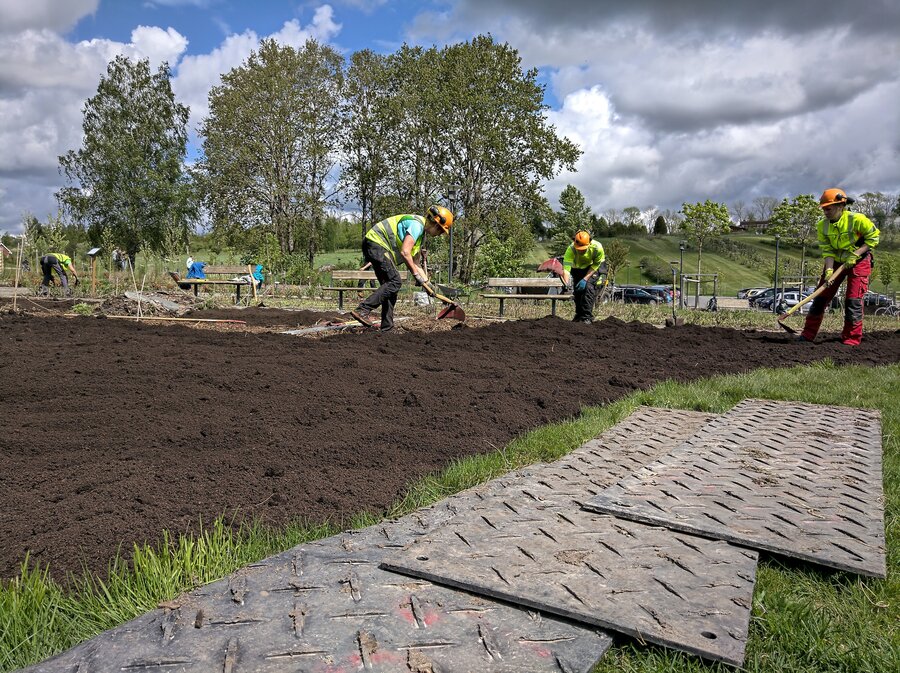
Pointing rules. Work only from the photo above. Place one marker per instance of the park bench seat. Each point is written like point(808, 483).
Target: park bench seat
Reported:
point(532, 289)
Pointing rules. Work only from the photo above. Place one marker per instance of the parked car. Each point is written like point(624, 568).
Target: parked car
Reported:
point(633, 295)
point(875, 299)
point(662, 293)
point(746, 292)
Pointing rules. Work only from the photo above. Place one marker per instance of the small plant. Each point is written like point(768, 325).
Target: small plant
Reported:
point(82, 309)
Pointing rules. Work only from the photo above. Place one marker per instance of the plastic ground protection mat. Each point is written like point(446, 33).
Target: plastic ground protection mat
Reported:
point(530, 544)
point(220, 625)
point(800, 480)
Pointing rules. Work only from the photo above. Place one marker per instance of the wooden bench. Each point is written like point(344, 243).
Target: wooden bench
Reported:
point(355, 277)
point(237, 273)
point(523, 285)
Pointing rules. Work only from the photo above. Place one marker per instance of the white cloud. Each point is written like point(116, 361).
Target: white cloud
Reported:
point(45, 80)
point(685, 101)
point(196, 75)
point(56, 15)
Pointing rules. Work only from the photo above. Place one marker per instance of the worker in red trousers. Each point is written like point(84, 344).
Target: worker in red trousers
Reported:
point(845, 238)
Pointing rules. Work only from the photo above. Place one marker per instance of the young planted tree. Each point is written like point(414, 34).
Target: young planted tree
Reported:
point(795, 220)
point(128, 177)
point(573, 216)
point(616, 258)
point(704, 222)
point(269, 144)
point(887, 270)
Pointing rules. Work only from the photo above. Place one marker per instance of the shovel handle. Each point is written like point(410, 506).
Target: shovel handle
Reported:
point(819, 290)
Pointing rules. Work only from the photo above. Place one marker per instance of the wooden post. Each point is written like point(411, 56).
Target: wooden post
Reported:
point(18, 271)
point(252, 280)
point(93, 275)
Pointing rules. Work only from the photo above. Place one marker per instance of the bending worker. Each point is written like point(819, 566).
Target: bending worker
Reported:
point(57, 261)
point(581, 267)
point(398, 238)
point(844, 238)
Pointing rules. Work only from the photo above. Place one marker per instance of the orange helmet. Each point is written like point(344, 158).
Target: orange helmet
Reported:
point(832, 196)
point(440, 216)
point(582, 241)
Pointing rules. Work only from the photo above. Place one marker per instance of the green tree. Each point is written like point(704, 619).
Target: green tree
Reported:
point(703, 222)
point(270, 142)
point(369, 120)
point(128, 177)
point(876, 206)
point(659, 226)
point(494, 138)
point(573, 216)
point(887, 270)
point(632, 217)
point(616, 258)
point(795, 220)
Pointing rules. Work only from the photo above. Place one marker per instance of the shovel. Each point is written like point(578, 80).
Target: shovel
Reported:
point(813, 295)
point(451, 310)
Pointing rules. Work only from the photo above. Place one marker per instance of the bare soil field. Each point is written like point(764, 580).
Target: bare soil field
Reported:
point(113, 430)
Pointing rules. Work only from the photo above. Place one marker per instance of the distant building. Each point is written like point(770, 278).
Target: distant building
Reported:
point(755, 226)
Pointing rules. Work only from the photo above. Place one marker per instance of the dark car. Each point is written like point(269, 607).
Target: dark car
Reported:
point(634, 295)
point(875, 299)
point(662, 293)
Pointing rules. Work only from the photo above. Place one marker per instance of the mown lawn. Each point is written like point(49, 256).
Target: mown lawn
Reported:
point(804, 618)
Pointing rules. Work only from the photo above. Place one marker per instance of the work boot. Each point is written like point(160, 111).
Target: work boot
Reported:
point(44, 291)
point(802, 339)
point(362, 315)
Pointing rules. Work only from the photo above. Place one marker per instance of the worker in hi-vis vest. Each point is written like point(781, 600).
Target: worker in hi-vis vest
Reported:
point(59, 262)
point(398, 238)
point(581, 269)
point(845, 238)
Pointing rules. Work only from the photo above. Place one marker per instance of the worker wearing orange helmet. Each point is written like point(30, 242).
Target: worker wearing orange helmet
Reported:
point(845, 238)
point(581, 269)
point(387, 243)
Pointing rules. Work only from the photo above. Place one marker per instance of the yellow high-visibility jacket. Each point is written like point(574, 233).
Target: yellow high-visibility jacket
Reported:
point(839, 239)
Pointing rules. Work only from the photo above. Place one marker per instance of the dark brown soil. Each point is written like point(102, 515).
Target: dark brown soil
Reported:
point(111, 431)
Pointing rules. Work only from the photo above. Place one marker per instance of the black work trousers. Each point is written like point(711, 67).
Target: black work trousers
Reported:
point(584, 299)
point(49, 264)
point(390, 283)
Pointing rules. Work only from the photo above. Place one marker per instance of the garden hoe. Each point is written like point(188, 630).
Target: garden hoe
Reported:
point(813, 295)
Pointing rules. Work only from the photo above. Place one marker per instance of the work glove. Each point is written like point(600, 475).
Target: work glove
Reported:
point(581, 286)
point(827, 277)
point(76, 281)
point(851, 261)
point(421, 279)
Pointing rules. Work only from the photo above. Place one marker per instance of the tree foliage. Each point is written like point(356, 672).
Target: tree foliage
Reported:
point(573, 216)
point(128, 184)
point(616, 258)
point(795, 221)
point(270, 143)
point(659, 226)
point(703, 222)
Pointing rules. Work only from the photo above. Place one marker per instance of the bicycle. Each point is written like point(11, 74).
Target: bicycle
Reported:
point(891, 311)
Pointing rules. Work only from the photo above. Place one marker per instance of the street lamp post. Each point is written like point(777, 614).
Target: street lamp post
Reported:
point(674, 271)
point(452, 192)
point(681, 247)
point(775, 298)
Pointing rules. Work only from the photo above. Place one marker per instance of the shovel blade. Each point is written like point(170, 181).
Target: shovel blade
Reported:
point(453, 311)
point(552, 265)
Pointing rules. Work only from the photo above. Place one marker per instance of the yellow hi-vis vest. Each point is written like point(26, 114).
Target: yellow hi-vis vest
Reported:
point(64, 260)
point(590, 258)
point(385, 234)
point(839, 239)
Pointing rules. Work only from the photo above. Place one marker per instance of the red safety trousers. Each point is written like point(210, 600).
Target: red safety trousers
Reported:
point(857, 286)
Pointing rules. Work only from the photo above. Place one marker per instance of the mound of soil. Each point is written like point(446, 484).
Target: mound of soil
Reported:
point(111, 431)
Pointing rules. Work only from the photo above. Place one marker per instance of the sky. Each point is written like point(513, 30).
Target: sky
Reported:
point(670, 101)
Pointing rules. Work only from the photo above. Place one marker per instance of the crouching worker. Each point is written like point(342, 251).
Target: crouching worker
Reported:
point(844, 238)
point(398, 238)
point(57, 261)
point(581, 269)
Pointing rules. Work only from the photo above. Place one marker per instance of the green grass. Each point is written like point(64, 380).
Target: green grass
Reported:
point(804, 618)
